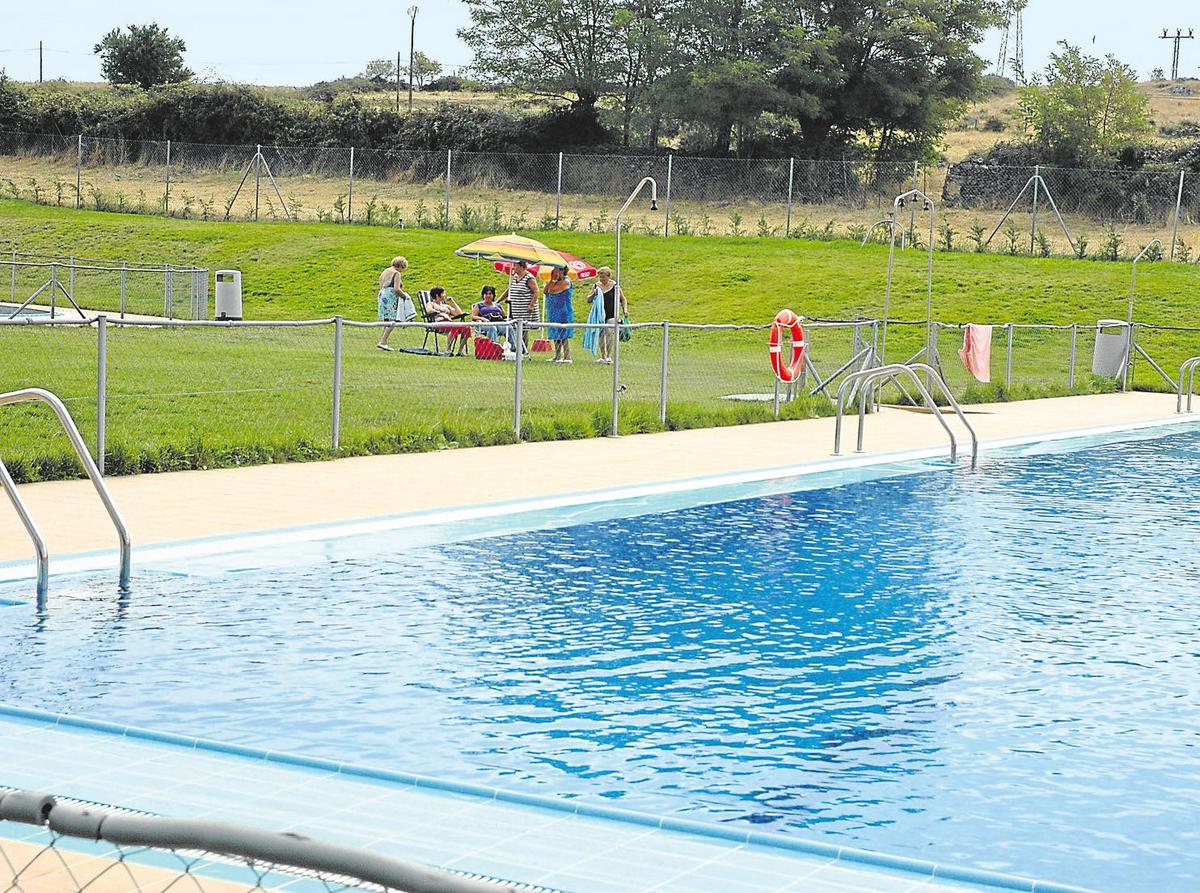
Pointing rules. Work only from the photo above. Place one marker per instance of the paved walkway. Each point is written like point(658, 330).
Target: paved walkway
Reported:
point(185, 505)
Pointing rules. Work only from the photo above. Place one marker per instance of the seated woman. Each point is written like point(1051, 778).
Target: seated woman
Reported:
point(487, 310)
point(444, 309)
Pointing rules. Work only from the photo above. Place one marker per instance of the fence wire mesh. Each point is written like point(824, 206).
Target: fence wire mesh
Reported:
point(197, 395)
point(50, 845)
point(1077, 212)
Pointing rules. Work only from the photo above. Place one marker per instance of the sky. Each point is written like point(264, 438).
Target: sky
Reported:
point(272, 42)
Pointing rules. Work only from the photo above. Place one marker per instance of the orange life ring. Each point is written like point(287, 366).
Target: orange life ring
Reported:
point(791, 371)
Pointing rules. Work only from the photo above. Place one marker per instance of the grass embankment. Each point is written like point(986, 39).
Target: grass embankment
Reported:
point(182, 399)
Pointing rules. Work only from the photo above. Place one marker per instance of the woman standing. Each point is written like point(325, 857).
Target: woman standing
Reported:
point(394, 304)
point(559, 309)
point(612, 299)
point(522, 297)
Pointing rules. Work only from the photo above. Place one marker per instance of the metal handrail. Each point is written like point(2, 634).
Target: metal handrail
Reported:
point(869, 380)
point(40, 395)
point(1187, 369)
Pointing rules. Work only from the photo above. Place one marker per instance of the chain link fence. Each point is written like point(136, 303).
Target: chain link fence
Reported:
point(38, 284)
point(1038, 210)
point(157, 396)
point(50, 845)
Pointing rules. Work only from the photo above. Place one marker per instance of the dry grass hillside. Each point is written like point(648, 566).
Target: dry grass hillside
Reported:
point(999, 117)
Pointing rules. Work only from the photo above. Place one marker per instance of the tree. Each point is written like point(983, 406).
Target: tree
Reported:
point(1083, 109)
point(1158, 74)
point(424, 69)
point(893, 71)
point(382, 71)
point(560, 48)
point(147, 56)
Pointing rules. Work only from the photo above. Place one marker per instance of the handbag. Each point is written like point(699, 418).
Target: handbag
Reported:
point(626, 331)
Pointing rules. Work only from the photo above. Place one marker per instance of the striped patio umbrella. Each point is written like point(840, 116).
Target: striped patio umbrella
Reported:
point(577, 268)
point(513, 248)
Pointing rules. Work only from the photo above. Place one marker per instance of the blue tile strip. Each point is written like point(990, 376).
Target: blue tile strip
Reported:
point(918, 867)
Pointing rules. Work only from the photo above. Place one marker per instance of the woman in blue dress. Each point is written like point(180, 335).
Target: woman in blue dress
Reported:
point(560, 309)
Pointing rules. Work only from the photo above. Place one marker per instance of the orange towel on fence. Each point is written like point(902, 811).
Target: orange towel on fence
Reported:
point(976, 352)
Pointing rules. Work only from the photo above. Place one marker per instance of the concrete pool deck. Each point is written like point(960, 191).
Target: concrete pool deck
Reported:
point(187, 505)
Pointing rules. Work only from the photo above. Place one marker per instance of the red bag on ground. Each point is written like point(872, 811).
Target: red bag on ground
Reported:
point(487, 349)
point(541, 345)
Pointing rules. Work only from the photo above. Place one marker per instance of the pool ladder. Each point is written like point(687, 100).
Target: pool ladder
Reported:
point(868, 383)
point(1186, 371)
point(38, 395)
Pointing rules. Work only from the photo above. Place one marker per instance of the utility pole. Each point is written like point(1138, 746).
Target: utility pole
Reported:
point(412, 35)
point(397, 82)
point(39, 61)
point(1177, 37)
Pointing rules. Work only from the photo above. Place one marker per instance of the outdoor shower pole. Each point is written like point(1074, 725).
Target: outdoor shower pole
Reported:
point(616, 329)
point(1178, 208)
point(350, 192)
point(519, 325)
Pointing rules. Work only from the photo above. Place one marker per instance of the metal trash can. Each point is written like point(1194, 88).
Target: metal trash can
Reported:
point(1111, 352)
point(229, 294)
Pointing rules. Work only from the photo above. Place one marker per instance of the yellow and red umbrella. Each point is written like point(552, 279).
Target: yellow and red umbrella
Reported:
point(576, 267)
point(513, 248)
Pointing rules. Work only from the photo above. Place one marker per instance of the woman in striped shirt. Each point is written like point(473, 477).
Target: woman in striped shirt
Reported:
point(522, 296)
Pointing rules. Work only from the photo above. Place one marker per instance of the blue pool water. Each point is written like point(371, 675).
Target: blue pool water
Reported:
point(998, 669)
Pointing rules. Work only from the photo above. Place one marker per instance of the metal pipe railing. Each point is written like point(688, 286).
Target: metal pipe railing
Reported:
point(282, 851)
point(39, 395)
point(870, 380)
point(1187, 369)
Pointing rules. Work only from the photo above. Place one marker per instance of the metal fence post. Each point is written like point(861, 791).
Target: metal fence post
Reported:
point(520, 329)
point(1037, 183)
point(775, 400)
point(449, 152)
point(1008, 358)
point(667, 200)
point(1178, 208)
point(124, 266)
point(337, 383)
point(79, 173)
point(662, 382)
point(1071, 369)
point(787, 226)
point(167, 184)
point(168, 294)
point(350, 192)
point(14, 276)
point(558, 193)
point(101, 386)
point(257, 177)
point(912, 214)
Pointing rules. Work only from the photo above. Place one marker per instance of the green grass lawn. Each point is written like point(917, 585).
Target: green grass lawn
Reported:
point(181, 399)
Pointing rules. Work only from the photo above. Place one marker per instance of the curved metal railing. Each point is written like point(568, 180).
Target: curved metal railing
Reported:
point(869, 381)
point(39, 395)
point(1188, 371)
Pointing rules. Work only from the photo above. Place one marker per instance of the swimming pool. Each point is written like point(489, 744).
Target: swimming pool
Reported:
point(6, 311)
point(995, 669)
